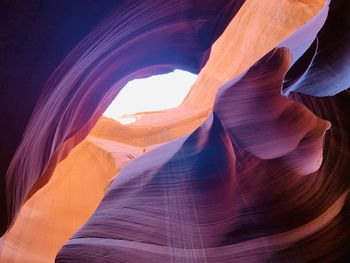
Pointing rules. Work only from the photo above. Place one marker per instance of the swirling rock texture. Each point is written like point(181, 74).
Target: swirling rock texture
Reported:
point(251, 167)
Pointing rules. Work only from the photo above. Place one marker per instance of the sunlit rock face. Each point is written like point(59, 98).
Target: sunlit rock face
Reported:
point(251, 167)
point(55, 211)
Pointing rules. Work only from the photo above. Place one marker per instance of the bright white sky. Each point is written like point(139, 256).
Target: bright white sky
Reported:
point(155, 93)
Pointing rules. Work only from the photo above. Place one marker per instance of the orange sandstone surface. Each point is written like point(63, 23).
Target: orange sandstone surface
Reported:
point(50, 217)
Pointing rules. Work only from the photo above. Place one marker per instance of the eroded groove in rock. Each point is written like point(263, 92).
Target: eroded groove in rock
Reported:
point(330, 65)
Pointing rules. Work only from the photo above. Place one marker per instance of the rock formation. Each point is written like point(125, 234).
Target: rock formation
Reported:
point(251, 167)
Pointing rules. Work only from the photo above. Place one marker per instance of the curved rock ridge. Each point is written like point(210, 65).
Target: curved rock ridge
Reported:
point(211, 195)
point(266, 124)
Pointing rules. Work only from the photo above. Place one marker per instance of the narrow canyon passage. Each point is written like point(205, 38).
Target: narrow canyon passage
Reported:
point(175, 131)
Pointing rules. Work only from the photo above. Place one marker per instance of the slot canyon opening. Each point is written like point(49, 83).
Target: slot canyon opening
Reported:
point(81, 180)
point(155, 93)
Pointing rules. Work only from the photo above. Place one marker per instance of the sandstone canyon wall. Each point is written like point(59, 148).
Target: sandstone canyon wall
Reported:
point(251, 167)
